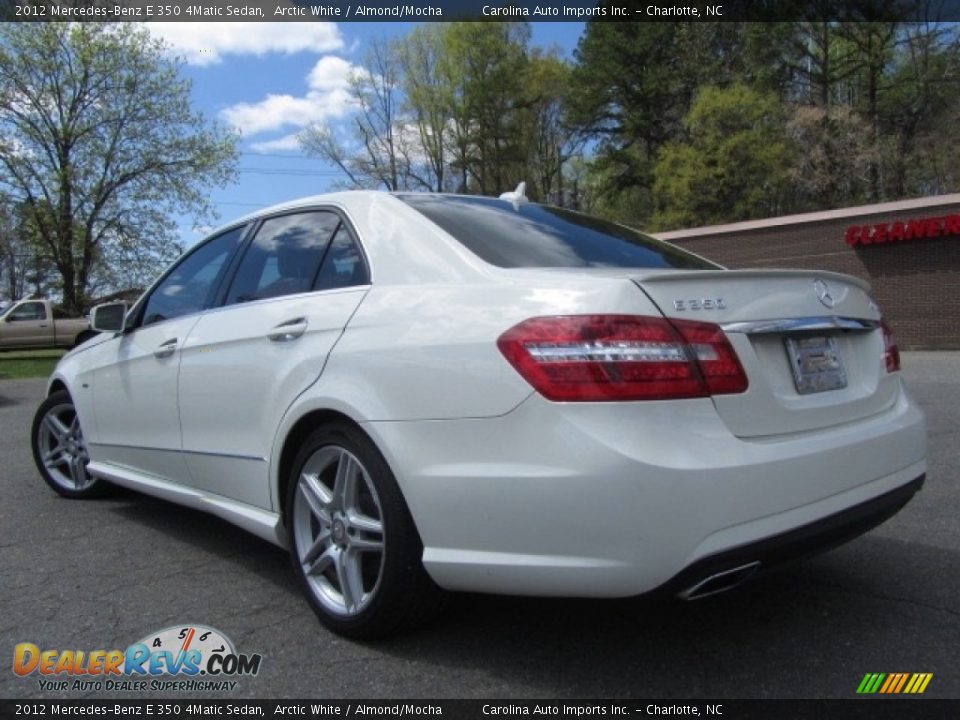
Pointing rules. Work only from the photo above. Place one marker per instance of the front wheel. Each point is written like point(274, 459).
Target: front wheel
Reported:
point(59, 449)
point(354, 545)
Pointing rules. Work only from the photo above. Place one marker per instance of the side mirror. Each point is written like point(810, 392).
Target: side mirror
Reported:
point(109, 317)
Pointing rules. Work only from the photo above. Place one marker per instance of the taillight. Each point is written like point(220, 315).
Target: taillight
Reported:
point(891, 353)
point(622, 357)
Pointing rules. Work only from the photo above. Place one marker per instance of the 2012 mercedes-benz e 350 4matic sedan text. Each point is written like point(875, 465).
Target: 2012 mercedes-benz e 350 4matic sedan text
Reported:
point(419, 392)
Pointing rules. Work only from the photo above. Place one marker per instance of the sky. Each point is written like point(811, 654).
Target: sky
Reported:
point(268, 80)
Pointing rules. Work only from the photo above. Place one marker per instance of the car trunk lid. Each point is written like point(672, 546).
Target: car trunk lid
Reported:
point(809, 342)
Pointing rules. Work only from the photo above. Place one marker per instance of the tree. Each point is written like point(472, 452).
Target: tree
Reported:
point(24, 269)
point(429, 101)
point(834, 159)
point(732, 168)
point(383, 146)
point(633, 84)
point(489, 62)
point(377, 154)
point(918, 112)
point(550, 143)
point(99, 143)
point(461, 106)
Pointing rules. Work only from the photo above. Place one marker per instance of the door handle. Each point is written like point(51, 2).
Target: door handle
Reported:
point(289, 330)
point(44, 325)
point(166, 349)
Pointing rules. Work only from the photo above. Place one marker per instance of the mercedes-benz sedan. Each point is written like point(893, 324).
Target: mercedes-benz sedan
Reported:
point(419, 392)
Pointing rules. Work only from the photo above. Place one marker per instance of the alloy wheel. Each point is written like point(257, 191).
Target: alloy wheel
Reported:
point(62, 449)
point(338, 530)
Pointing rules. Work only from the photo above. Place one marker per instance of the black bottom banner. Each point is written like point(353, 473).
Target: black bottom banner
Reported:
point(874, 708)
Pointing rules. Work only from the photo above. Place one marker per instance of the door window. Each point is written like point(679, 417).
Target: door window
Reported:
point(284, 257)
point(192, 284)
point(343, 264)
point(28, 311)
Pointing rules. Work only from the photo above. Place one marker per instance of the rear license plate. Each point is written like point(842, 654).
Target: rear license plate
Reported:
point(816, 363)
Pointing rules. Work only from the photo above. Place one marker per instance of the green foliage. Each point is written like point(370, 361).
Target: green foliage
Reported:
point(429, 91)
point(466, 107)
point(632, 86)
point(732, 167)
point(101, 147)
point(489, 62)
point(841, 113)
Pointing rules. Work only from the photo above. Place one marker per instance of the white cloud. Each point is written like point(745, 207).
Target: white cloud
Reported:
point(330, 72)
point(279, 111)
point(205, 43)
point(326, 97)
point(285, 143)
point(271, 113)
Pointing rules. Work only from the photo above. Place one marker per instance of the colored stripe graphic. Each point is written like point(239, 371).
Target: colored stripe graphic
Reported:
point(903, 679)
point(894, 683)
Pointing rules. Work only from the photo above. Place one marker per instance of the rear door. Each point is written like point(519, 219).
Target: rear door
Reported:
point(810, 343)
point(299, 282)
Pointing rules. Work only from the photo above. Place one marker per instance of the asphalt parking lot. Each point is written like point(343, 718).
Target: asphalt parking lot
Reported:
point(103, 574)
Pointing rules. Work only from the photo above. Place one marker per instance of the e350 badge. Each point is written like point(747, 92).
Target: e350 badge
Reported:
point(179, 658)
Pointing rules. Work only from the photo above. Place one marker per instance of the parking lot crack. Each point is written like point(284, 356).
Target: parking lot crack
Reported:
point(880, 596)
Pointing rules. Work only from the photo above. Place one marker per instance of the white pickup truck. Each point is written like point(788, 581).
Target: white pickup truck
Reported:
point(34, 324)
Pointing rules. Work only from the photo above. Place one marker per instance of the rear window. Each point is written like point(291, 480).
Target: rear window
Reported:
point(531, 235)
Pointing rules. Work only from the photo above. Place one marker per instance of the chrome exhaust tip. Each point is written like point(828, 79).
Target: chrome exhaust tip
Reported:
point(719, 582)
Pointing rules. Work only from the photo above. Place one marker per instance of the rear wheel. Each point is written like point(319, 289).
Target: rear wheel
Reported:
point(59, 448)
point(353, 541)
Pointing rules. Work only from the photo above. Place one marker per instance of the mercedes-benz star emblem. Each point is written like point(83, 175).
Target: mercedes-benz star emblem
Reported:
point(823, 293)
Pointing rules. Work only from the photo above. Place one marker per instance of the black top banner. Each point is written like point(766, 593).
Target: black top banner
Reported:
point(483, 10)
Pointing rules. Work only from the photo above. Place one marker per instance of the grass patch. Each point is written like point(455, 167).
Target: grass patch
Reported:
point(28, 363)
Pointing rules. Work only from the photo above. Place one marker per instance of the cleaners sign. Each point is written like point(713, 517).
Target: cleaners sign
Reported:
point(883, 233)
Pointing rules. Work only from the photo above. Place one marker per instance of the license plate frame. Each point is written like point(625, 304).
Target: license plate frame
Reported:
point(816, 363)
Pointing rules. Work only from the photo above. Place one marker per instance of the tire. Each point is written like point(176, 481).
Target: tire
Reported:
point(59, 449)
point(353, 542)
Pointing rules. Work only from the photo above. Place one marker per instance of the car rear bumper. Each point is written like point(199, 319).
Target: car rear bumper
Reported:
point(618, 499)
point(724, 570)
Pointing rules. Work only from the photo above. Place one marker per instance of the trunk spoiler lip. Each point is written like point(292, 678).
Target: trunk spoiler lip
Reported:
point(801, 324)
point(666, 276)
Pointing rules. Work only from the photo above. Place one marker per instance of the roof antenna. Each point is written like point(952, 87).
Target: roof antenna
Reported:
point(516, 197)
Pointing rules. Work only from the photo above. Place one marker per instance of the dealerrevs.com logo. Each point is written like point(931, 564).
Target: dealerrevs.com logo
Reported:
point(186, 658)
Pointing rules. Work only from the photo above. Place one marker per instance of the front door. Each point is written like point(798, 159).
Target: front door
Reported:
point(134, 376)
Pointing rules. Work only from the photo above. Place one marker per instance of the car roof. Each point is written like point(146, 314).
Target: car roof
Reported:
point(357, 200)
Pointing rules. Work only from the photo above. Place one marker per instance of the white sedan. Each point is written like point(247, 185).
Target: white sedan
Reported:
point(419, 392)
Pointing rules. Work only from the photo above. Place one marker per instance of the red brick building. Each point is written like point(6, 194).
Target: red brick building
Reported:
point(909, 251)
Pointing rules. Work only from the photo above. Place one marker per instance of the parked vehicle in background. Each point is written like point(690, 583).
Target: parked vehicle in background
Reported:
point(414, 392)
point(39, 324)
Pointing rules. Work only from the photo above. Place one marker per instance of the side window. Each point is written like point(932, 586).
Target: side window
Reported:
point(191, 285)
point(284, 257)
point(28, 311)
point(343, 264)
point(60, 313)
